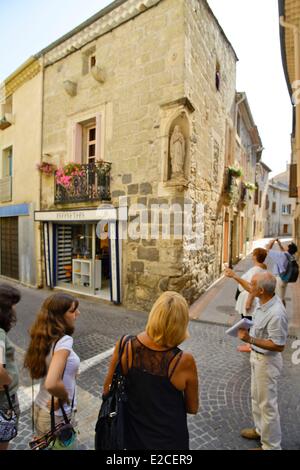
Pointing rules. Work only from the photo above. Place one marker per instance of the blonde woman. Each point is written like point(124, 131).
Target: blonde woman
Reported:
point(162, 381)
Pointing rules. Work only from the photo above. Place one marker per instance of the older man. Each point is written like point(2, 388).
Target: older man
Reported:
point(267, 337)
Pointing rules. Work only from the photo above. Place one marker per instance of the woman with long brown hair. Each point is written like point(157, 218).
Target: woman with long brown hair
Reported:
point(9, 375)
point(50, 357)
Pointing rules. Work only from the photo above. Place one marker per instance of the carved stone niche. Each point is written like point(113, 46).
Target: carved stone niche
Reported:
point(176, 137)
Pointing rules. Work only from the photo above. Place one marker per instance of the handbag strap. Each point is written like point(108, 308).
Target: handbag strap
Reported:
point(52, 413)
point(8, 398)
point(118, 367)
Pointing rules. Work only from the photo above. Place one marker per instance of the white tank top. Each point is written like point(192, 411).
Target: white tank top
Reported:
point(69, 378)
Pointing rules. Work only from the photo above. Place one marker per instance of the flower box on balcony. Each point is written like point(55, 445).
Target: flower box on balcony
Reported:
point(77, 182)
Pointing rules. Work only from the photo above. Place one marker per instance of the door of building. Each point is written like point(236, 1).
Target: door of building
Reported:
point(9, 247)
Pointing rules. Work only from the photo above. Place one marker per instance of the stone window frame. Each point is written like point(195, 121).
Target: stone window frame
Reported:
point(76, 129)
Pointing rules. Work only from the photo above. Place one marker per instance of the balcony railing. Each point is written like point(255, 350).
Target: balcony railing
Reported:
point(91, 182)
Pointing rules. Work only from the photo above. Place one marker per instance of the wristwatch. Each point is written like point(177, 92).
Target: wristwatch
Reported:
point(251, 341)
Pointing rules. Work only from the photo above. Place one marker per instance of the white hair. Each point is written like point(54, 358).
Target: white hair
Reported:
point(267, 282)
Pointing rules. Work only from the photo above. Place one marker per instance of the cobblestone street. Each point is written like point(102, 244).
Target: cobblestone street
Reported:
point(224, 373)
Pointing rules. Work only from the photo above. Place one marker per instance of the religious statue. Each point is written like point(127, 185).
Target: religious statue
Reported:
point(177, 152)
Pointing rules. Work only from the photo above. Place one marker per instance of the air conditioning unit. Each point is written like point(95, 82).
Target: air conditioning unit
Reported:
point(6, 120)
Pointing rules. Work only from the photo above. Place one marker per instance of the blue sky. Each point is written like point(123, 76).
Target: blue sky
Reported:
point(251, 26)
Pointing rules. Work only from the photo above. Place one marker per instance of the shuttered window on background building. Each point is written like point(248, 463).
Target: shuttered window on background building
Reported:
point(293, 180)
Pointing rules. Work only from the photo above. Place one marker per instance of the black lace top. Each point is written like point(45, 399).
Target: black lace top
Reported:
point(156, 415)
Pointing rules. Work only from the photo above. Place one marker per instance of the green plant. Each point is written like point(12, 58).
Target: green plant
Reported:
point(234, 171)
point(250, 186)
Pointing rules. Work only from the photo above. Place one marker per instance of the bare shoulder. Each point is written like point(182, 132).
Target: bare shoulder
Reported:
point(187, 360)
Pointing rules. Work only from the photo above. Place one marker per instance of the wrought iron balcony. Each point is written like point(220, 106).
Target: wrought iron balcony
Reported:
point(89, 182)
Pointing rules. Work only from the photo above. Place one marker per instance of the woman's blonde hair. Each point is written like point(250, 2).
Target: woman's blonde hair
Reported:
point(168, 320)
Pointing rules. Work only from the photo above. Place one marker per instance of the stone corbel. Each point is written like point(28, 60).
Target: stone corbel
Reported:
point(6, 120)
point(98, 74)
point(70, 87)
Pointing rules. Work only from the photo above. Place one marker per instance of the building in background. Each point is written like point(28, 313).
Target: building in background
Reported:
point(279, 207)
point(289, 12)
point(262, 180)
point(20, 149)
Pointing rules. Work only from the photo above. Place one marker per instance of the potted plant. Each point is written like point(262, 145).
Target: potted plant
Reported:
point(250, 186)
point(47, 168)
point(235, 172)
point(64, 176)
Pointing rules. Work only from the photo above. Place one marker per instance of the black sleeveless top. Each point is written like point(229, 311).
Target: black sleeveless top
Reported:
point(156, 416)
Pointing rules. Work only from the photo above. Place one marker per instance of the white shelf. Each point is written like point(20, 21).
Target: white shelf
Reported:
point(82, 272)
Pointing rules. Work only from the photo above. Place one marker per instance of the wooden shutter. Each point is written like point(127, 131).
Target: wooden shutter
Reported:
point(77, 143)
point(10, 247)
point(98, 137)
point(293, 180)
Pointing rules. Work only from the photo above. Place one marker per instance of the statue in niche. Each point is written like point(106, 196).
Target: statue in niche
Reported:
point(177, 152)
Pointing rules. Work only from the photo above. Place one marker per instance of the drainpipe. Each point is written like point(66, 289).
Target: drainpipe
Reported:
point(40, 268)
point(296, 33)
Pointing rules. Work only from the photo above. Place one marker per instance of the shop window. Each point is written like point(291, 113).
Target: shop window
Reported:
point(82, 259)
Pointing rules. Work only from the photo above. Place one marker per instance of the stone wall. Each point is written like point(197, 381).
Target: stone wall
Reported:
point(206, 49)
point(143, 61)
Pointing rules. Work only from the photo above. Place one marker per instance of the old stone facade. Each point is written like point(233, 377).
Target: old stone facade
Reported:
point(262, 183)
point(140, 119)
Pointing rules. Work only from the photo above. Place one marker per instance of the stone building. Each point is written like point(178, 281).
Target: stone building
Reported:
point(140, 98)
point(241, 164)
point(262, 182)
point(280, 207)
point(20, 149)
point(289, 13)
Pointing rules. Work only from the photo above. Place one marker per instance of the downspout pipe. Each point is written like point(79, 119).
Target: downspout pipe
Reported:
point(296, 33)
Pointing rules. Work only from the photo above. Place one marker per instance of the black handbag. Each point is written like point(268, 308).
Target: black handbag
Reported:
point(237, 293)
point(8, 421)
point(109, 430)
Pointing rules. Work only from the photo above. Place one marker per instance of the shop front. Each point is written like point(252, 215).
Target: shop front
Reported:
point(82, 251)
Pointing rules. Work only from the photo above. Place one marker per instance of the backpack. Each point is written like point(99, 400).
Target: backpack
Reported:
point(292, 270)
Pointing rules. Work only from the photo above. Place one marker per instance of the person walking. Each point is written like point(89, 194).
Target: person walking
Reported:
point(9, 375)
point(162, 380)
point(50, 357)
point(267, 337)
point(281, 259)
point(245, 303)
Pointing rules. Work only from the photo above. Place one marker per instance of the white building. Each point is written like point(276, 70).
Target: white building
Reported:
point(279, 207)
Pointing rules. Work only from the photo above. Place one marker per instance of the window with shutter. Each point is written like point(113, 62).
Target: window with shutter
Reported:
point(293, 180)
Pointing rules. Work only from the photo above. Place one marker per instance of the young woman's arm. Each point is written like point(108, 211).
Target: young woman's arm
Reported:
point(54, 383)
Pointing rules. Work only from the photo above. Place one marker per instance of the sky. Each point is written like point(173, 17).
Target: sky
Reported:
point(251, 26)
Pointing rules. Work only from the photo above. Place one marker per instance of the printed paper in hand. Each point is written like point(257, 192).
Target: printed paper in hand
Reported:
point(244, 323)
